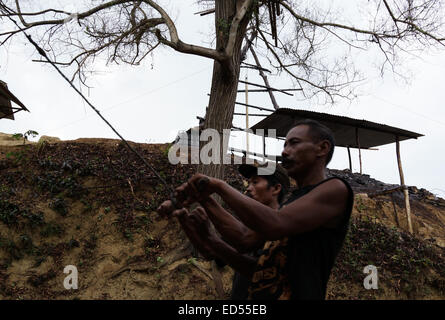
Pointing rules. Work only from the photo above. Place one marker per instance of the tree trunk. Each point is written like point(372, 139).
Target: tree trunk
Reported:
point(219, 114)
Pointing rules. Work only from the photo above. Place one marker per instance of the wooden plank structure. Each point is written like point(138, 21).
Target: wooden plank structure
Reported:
point(7, 110)
point(348, 133)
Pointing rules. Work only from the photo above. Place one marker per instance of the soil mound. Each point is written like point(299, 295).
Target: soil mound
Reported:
point(91, 203)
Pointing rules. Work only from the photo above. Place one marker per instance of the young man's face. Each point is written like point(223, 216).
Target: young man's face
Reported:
point(258, 189)
point(300, 151)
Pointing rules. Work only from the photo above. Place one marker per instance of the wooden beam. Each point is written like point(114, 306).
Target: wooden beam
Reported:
point(206, 12)
point(238, 129)
point(261, 86)
point(350, 161)
point(244, 130)
point(248, 44)
point(264, 145)
point(247, 115)
point(252, 66)
point(352, 147)
point(405, 188)
point(250, 114)
point(6, 94)
point(8, 115)
point(265, 90)
point(249, 67)
point(250, 106)
point(268, 156)
point(266, 81)
point(357, 139)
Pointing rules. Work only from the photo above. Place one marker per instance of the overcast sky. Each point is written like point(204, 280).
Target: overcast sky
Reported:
point(150, 103)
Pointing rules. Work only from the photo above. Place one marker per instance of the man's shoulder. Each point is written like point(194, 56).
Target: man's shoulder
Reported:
point(338, 193)
point(333, 194)
point(333, 189)
point(335, 184)
point(332, 186)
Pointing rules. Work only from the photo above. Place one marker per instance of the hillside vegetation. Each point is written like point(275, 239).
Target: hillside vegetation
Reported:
point(90, 203)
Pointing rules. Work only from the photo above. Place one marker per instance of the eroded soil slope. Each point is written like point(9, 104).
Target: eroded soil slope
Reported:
point(90, 203)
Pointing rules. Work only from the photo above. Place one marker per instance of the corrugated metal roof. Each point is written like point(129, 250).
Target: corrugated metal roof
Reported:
point(371, 134)
point(6, 109)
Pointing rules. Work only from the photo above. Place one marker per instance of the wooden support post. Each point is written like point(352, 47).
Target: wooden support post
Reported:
point(350, 161)
point(247, 115)
point(264, 146)
point(405, 188)
point(357, 139)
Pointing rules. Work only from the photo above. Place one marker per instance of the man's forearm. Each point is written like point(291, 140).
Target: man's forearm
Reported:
point(242, 263)
point(213, 247)
point(252, 213)
point(231, 229)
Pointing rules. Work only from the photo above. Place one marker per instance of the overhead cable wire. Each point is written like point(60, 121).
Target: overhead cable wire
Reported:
point(44, 55)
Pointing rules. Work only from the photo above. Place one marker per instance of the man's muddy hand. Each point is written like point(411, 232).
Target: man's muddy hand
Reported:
point(166, 208)
point(197, 188)
point(196, 226)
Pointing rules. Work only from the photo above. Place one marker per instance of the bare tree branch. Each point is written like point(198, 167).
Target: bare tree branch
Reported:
point(241, 12)
point(361, 31)
point(80, 16)
point(174, 41)
point(331, 90)
point(309, 44)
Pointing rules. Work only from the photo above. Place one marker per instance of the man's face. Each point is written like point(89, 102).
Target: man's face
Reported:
point(259, 190)
point(300, 151)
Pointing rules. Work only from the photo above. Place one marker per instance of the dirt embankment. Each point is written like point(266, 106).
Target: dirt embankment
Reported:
point(90, 203)
point(428, 211)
